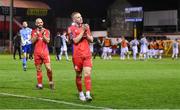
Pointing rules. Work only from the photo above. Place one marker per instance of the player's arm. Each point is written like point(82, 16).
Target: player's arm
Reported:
point(102, 43)
point(79, 37)
point(23, 41)
point(34, 37)
point(46, 36)
point(66, 38)
point(130, 44)
point(127, 42)
point(89, 36)
point(29, 36)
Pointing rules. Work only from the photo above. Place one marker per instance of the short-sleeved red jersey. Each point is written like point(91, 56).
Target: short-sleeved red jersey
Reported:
point(80, 49)
point(40, 46)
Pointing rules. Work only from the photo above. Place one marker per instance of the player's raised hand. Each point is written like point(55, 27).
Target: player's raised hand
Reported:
point(44, 33)
point(83, 27)
point(87, 26)
point(35, 36)
point(45, 38)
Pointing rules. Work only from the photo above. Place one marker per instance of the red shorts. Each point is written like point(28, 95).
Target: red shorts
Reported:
point(80, 62)
point(41, 58)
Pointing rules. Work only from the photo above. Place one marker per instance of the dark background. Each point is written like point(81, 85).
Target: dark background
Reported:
point(98, 8)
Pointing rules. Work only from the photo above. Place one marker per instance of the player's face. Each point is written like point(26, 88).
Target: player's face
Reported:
point(25, 24)
point(39, 23)
point(78, 18)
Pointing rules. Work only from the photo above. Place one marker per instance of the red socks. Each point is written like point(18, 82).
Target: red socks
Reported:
point(79, 83)
point(39, 77)
point(87, 81)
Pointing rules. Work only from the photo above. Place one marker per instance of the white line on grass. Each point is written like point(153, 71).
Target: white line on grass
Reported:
point(55, 101)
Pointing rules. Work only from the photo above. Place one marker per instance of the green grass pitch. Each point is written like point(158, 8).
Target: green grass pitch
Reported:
point(116, 84)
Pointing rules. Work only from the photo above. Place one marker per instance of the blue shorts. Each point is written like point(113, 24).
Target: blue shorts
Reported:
point(26, 48)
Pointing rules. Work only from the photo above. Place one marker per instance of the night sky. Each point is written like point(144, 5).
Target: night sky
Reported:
point(98, 8)
point(151, 5)
point(88, 8)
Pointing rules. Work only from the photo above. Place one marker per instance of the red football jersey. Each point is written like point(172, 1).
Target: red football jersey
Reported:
point(80, 49)
point(40, 46)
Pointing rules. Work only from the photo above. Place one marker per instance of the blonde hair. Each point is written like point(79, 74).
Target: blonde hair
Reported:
point(74, 13)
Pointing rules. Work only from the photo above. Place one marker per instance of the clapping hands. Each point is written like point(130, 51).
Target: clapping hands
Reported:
point(85, 26)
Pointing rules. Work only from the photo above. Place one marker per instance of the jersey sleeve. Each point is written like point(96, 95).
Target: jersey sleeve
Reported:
point(33, 33)
point(73, 32)
point(23, 41)
point(47, 33)
point(29, 34)
point(70, 33)
point(88, 31)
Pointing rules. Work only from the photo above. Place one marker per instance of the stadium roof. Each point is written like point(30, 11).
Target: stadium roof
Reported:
point(25, 4)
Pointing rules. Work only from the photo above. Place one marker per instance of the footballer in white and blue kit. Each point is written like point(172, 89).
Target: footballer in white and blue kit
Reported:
point(64, 46)
point(144, 48)
point(26, 43)
point(175, 46)
point(134, 43)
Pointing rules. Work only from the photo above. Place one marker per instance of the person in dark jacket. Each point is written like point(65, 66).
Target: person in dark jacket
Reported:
point(17, 45)
point(98, 48)
point(57, 45)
